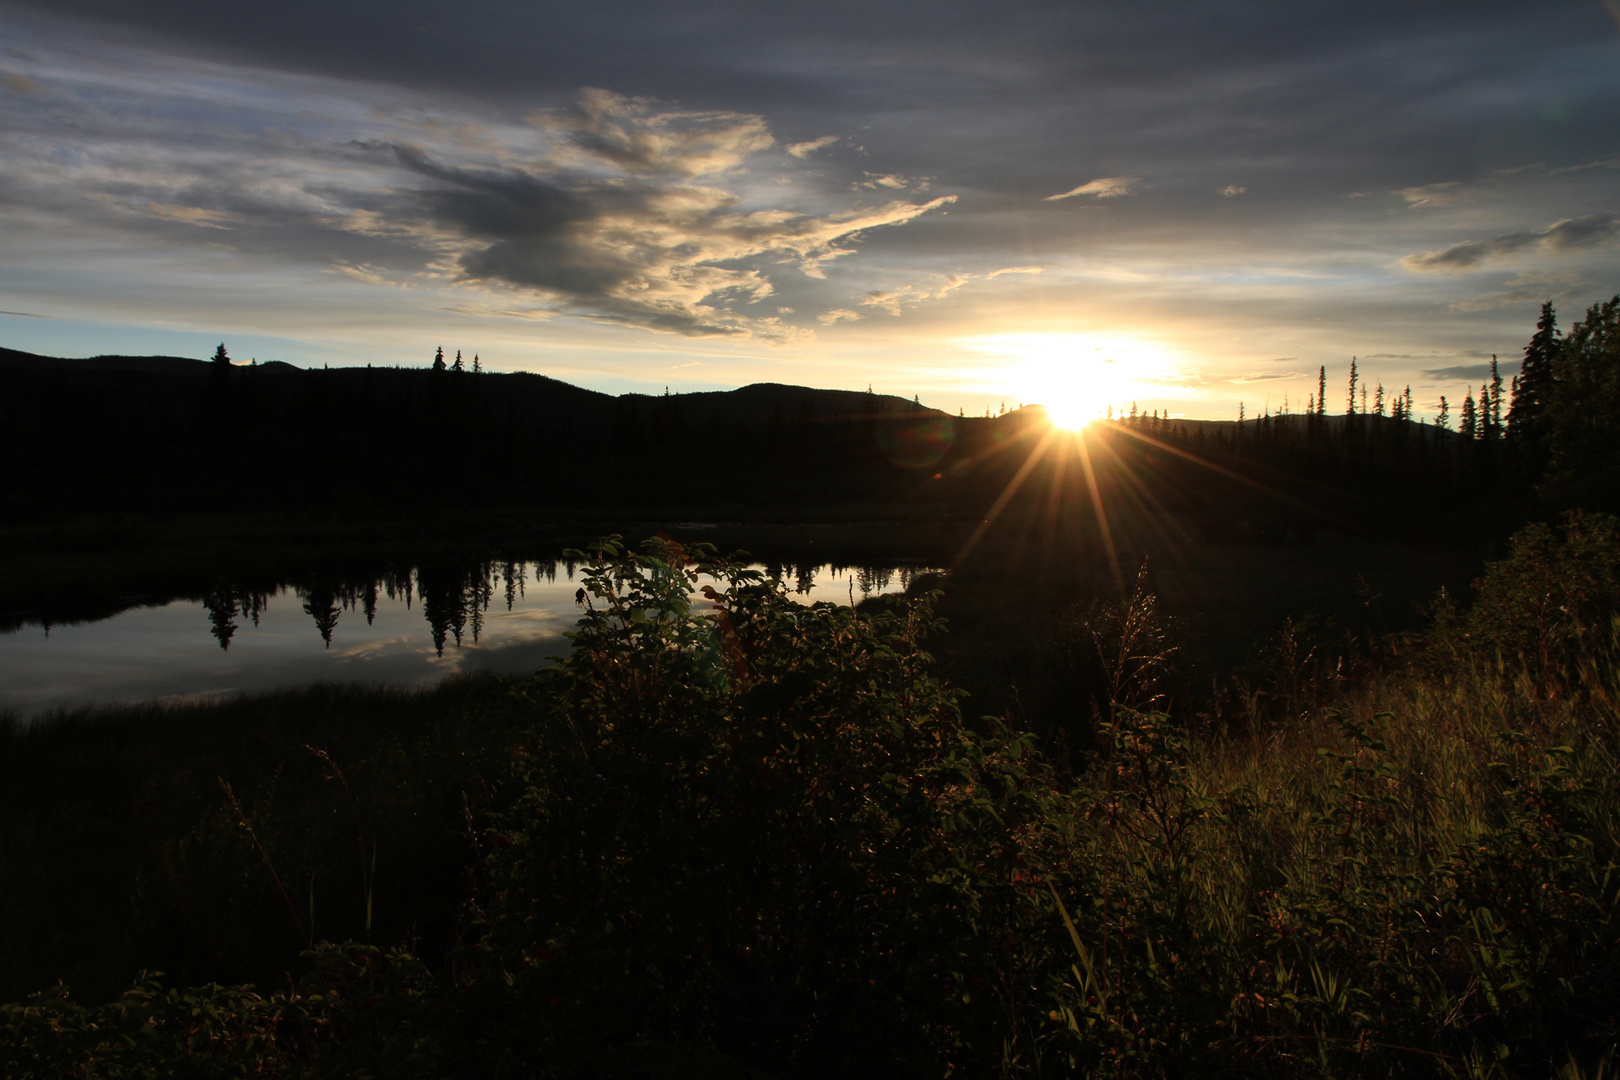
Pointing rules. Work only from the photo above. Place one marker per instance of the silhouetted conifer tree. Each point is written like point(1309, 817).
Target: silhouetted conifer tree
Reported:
point(1496, 401)
point(222, 359)
point(1466, 426)
point(438, 359)
point(1527, 420)
point(1584, 438)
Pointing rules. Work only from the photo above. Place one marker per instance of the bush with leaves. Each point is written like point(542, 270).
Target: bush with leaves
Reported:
point(1554, 599)
point(759, 832)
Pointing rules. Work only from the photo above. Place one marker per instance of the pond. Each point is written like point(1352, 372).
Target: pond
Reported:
point(411, 627)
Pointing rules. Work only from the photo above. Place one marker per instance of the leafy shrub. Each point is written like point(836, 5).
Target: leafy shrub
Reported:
point(762, 833)
point(1554, 599)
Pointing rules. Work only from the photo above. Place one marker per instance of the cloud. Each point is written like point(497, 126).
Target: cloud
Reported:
point(663, 256)
point(1448, 193)
point(894, 300)
point(1264, 376)
point(369, 274)
point(895, 181)
point(616, 209)
point(803, 150)
point(838, 315)
point(1108, 187)
point(1601, 163)
point(193, 215)
point(1525, 288)
point(20, 84)
point(1231, 190)
point(1570, 234)
point(1015, 270)
point(1471, 371)
point(627, 132)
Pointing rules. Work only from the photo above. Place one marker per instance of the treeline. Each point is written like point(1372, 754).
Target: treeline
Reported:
point(164, 434)
point(1551, 436)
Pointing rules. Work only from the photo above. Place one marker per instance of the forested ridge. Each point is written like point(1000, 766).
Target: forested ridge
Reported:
point(126, 434)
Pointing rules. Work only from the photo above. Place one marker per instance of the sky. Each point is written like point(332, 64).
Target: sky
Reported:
point(1186, 205)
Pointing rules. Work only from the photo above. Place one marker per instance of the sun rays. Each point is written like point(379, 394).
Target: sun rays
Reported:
point(1076, 378)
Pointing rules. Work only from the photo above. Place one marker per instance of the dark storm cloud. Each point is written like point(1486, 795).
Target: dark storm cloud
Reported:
point(1569, 234)
point(1230, 78)
point(659, 253)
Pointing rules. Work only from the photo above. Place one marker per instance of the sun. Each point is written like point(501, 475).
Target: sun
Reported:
point(1075, 377)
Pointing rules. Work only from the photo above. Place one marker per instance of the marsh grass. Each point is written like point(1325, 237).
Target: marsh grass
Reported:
point(121, 851)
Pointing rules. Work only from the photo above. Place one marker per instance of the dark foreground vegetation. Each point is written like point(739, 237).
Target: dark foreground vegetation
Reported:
point(770, 842)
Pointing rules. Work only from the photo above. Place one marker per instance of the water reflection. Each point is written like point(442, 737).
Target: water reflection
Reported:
point(401, 626)
point(456, 597)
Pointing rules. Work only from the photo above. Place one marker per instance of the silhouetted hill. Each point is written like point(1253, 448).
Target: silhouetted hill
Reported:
point(168, 433)
point(133, 435)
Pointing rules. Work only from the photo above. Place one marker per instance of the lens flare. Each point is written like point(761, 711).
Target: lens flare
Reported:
point(1076, 377)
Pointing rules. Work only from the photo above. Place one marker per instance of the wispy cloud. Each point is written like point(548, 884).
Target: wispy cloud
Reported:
point(1232, 190)
point(193, 215)
point(1570, 234)
point(1107, 187)
point(1448, 193)
point(1015, 270)
point(617, 209)
point(1525, 288)
point(803, 150)
point(895, 181)
point(894, 301)
point(635, 135)
point(1471, 371)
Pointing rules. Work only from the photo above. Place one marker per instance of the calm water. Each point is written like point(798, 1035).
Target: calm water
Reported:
point(407, 629)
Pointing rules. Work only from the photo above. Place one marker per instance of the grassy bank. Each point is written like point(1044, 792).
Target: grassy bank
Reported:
point(121, 850)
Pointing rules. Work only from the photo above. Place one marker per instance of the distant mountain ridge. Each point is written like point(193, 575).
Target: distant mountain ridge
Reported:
point(130, 434)
point(756, 401)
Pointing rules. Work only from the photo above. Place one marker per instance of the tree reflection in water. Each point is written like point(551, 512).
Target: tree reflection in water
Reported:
point(456, 596)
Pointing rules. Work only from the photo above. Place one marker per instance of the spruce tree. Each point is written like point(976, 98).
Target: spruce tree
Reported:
point(1350, 408)
point(1583, 440)
point(1443, 419)
point(458, 367)
point(438, 359)
point(1533, 390)
point(1465, 423)
point(1496, 400)
point(222, 359)
point(1482, 415)
point(1321, 390)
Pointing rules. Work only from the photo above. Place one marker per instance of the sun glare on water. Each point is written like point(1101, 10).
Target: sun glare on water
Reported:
point(1076, 377)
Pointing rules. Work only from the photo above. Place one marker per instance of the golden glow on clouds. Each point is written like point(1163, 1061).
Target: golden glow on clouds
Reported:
point(1076, 377)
